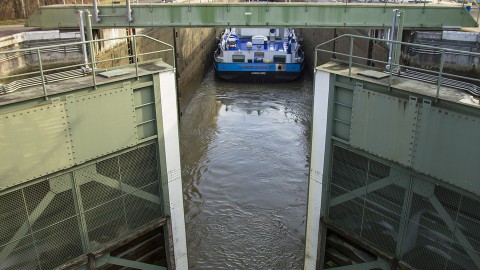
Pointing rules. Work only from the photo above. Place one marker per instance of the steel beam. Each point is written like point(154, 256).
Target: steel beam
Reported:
point(26, 226)
point(261, 14)
point(387, 181)
point(90, 174)
point(462, 239)
point(133, 264)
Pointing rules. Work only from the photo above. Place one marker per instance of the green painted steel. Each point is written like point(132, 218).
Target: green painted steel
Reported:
point(85, 163)
point(384, 125)
point(445, 140)
point(97, 129)
point(305, 14)
point(32, 153)
point(403, 179)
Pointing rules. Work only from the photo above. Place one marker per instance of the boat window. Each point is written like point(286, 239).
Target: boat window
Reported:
point(279, 59)
point(259, 54)
point(238, 58)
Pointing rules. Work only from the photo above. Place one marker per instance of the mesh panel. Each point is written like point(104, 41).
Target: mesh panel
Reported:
point(140, 211)
point(424, 246)
point(468, 221)
point(94, 189)
point(139, 168)
point(106, 223)
point(12, 215)
point(382, 217)
point(349, 170)
point(348, 216)
point(372, 211)
point(40, 225)
point(59, 243)
point(54, 198)
point(23, 255)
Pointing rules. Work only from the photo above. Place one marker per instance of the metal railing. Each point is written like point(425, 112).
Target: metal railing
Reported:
point(441, 76)
point(85, 68)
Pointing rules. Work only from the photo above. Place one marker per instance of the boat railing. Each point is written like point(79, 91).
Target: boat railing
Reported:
point(439, 75)
point(137, 48)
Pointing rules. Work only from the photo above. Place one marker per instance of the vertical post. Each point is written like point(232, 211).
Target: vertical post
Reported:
point(350, 57)
point(23, 8)
point(439, 82)
point(91, 46)
point(135, 56)
point(129, 11)
point(96, 11)
point(42, 75)
point(399, 36)
point(82, 38)
point(390, 47)
point(478, 12)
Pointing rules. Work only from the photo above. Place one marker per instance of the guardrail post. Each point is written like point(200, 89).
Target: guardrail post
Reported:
point(82, 38)
point(42, 75)
point(96, 12)
point(135, 60)
point(129, 11)
point(91, 46)
point(439, 82)
point(350, 57)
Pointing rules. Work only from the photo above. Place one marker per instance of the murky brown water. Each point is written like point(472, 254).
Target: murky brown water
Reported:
point(245, 151)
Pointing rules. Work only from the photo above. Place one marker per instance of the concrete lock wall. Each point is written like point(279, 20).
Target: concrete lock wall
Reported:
point(194, 49)
point(363, 48)
point(14, 63)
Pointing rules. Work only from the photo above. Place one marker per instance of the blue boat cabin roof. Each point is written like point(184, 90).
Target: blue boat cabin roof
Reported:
point(242, 45)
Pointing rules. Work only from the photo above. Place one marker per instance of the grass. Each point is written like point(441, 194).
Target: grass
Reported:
point(10, 22)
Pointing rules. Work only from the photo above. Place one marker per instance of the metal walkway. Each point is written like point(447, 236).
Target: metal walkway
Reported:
point(306, 14)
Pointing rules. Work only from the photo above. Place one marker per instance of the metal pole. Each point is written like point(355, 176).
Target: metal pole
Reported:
point(392, 31)
point(129, 11)
point(82, 38)
point(135, 56)
point(42, 75)
point(91, 47)
point(398, 46)
point(439, 82)
point(96, 11)
point(350, 57)
point(23, 8)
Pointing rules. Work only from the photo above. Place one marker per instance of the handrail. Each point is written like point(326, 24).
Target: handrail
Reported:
point(440, 73)
point(46, 73)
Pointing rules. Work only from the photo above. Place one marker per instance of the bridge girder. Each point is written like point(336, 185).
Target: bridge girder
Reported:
point(264, 14)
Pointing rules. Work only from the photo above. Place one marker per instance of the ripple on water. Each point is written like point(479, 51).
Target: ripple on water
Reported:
point(245, 152)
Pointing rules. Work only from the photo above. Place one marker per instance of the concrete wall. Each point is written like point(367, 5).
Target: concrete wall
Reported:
point(314, 36)
point(456, 63)
point(194, 49)
point(13, 63)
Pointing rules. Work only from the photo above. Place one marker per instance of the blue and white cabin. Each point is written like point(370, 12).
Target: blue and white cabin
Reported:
point(246, 53)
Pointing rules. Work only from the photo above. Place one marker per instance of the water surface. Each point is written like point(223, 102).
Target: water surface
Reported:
point(245, 151)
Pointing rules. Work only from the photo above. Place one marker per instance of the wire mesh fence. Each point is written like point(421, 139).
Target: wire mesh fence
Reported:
point(402, 215)
point(57, 219)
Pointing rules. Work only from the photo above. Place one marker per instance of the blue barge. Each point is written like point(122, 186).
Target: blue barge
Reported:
point(250, 53)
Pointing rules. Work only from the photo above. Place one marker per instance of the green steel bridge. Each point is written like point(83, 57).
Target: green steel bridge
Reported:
point(264, 14)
